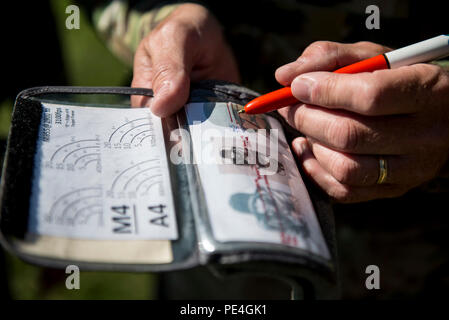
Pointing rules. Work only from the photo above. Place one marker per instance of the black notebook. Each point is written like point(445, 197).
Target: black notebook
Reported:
point(88, 180)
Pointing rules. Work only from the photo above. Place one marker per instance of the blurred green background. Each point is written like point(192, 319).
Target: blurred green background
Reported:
point(85, 62)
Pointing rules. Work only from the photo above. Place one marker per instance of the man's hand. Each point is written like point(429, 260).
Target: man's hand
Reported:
point(350, 120)
point(187, 46)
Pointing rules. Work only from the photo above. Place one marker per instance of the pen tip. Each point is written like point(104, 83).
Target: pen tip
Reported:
point(241, 111)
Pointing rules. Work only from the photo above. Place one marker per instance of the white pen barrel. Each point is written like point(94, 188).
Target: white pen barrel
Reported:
point(423, 51)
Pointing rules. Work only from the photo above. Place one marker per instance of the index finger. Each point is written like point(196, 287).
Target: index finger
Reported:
point(327, 56)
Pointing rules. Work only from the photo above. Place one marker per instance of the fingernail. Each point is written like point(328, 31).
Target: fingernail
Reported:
point(302, 87)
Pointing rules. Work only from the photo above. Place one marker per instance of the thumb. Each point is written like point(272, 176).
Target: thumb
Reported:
point(166, 70)
point(171, 84)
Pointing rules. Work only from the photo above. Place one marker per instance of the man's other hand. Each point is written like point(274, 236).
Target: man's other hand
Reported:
point(187, 46)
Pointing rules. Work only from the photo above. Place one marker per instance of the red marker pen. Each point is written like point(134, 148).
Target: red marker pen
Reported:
point(424, 51)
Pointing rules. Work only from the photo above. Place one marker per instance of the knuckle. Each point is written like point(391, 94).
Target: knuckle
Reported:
point(371, 97)
point(323, 46)
point(431, 69)
point(371, 46)
point(323, 54)
point(162, 72)
point(429, 74)
point(343, 134)
point(423, 79)
point(364, 44)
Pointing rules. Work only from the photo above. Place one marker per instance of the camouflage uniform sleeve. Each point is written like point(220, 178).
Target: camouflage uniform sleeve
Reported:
point(122, 25)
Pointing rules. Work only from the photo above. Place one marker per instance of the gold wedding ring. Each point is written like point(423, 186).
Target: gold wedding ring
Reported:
point(383, 170)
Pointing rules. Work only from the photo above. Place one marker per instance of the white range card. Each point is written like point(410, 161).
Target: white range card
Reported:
point(101, 173)
point(253, 189)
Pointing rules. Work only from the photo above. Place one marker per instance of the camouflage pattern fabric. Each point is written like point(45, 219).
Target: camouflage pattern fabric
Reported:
point(123, 27)
point(275, 31)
